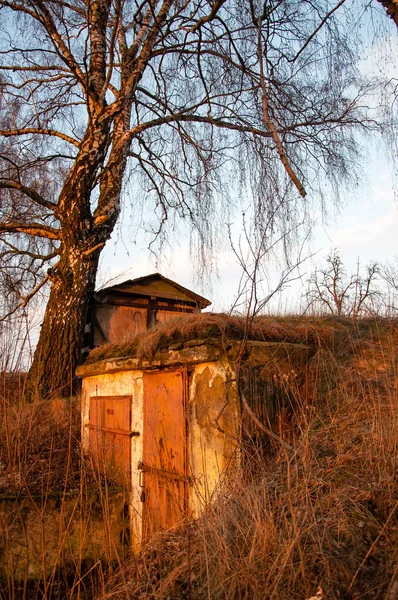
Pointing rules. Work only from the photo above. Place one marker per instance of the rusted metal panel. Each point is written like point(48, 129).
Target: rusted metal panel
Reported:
point(163, 468)
point(110, 436)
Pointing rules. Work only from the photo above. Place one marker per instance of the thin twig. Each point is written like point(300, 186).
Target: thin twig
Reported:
point(271, 433)
point(270, 124)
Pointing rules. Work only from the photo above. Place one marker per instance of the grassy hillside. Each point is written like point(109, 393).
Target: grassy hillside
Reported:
point(319, 519)
point(316, 515)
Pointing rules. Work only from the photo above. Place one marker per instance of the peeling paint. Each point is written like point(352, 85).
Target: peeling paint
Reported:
point(213, 410)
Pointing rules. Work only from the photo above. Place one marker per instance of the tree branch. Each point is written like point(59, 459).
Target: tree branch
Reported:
point(45, 18)
point(213, 13)
point(196, 119)
point(13, 250)
point(27, 298)
point(39, 131)
point(31, 193)
point(321, 24)
point(33, 229)
point(270, 124)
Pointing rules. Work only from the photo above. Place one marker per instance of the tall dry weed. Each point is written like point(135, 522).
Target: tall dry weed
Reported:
point(58, 519)
point(323, 516)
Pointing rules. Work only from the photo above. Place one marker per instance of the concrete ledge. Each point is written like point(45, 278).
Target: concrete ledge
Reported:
point(201, 351)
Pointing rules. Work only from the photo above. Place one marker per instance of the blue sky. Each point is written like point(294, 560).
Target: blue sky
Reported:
point(364, 227)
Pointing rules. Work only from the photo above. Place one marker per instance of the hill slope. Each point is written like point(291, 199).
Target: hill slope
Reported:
point(323, 516)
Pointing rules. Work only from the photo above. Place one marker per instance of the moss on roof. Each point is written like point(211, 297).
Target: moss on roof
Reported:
point(217, 325)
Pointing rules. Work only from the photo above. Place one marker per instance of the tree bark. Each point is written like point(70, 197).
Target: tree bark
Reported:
point(62, 331)
point(391, 7)
point(83, 236)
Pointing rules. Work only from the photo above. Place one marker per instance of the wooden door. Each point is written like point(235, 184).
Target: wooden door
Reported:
point(110, 436)
point(164, 452)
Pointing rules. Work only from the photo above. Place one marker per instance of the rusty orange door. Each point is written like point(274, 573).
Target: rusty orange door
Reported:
point(164, 452)
point(110, 436)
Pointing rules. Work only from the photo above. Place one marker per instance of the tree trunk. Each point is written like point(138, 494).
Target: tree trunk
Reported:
point(73, 278)
point(391, 7)
point(57, 352)
point(83, 236)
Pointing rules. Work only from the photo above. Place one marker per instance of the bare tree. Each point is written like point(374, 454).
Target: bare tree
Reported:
point(94, 93)
point(331, 290)
point(256, 251)
point(389, 272)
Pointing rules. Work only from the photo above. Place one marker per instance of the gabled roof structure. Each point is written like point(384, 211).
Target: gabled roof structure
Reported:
point(155, 285)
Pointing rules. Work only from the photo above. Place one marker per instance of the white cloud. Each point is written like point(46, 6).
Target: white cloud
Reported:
point(368, 238)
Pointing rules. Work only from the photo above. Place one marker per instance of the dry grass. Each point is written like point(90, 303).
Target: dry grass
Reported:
point(322, 515)
point(325, 514)
point(39, 445)
point(212, 325)
point(58, 531)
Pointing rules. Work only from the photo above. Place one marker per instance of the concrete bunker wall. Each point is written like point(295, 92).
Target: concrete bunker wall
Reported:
point(215, 420)
point(212, 416)
point(213, 438)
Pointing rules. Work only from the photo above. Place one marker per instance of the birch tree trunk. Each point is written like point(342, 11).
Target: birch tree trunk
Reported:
point(73, 279)
point(57, 351)
point(391, 7)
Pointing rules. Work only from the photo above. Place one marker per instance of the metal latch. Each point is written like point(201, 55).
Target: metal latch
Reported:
point(141, 481)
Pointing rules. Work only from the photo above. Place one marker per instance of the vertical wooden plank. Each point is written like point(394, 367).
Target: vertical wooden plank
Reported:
point(117, 445)
point(110, 442)
point(164, 450)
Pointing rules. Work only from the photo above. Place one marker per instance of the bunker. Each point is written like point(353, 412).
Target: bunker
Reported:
point(165, 414)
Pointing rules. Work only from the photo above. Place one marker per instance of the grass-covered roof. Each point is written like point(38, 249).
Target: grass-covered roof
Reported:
point(217, 325)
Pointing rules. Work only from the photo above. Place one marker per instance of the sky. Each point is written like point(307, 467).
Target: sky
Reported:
point(364, 227)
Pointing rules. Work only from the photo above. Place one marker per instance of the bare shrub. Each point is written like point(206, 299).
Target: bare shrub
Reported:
point(332, 291)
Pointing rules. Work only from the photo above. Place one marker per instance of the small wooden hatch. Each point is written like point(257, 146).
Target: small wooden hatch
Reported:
point(110, 433)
